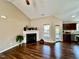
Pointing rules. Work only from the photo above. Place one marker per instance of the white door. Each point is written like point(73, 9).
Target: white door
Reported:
point(57, 33)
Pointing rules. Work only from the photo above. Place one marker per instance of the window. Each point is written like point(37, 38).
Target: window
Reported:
point(77, 26)
point(46, 31)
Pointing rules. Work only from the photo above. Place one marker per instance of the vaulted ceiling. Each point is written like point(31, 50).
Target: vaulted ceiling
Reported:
point(62, 9)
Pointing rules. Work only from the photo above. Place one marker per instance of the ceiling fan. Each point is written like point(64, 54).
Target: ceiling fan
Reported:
point(27, 2)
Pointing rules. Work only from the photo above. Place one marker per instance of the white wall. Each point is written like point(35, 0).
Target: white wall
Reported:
point(12, 25)
point(47, 20)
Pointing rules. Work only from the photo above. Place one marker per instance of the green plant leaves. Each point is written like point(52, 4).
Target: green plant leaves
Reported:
point(19, 38)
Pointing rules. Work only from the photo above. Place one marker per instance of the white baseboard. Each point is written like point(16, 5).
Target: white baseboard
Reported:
point(50, 41)
point(8, 48)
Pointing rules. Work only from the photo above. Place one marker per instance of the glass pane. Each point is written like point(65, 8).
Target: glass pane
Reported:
point(57, 33)
point(46, 36)
point(46, 31)
point(46, 28)
point(77, 27)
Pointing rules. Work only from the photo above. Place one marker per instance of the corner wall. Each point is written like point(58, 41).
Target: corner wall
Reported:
point(12, 25)
point(47, 20)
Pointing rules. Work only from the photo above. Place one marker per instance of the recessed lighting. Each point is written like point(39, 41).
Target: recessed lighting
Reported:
point(73, 16)
point(3, 17)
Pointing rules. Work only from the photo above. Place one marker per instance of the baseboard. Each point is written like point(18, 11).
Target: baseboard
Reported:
point(8, 48)
point(58, 41)
point(50, 41)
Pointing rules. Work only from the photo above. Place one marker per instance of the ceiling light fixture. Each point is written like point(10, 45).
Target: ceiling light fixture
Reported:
point(73, 16)
point(3, 17)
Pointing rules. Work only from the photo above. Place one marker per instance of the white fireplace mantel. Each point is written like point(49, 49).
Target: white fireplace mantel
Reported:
point(30, 32)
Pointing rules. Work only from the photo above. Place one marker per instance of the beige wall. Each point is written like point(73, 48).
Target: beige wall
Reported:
point(11, 26)
point(16, 20)
point(47, 20)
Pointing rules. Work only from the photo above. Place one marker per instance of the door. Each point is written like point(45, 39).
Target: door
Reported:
point(57, 33)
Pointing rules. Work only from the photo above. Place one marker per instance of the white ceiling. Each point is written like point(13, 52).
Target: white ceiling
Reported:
point(63, 9)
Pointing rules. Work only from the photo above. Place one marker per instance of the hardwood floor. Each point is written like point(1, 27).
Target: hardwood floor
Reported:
point(48, 51)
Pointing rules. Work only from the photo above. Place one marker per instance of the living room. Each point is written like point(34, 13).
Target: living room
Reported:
point(15, 15)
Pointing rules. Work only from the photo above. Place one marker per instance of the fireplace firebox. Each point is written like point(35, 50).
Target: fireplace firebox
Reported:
point(31, 38)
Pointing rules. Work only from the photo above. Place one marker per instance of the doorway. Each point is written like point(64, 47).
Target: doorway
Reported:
point(57, 33)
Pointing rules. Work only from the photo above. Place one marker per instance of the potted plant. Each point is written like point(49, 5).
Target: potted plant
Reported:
point(19, 38)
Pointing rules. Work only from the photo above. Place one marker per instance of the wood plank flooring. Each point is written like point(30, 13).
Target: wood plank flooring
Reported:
point(47, 51)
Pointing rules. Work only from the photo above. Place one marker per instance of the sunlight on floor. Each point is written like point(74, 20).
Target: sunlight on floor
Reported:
point(58, 50)
point(76, 51)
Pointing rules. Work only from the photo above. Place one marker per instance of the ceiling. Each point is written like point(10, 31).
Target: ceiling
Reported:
point(62, 9)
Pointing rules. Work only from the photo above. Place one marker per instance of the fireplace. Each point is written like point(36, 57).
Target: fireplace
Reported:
point(31, 38)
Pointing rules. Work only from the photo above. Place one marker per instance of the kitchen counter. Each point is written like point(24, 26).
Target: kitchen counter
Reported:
point(70, 35)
